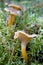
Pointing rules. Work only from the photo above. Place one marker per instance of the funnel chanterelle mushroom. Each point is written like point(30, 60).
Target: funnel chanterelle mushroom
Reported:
point(13, 14)
point(24, 38)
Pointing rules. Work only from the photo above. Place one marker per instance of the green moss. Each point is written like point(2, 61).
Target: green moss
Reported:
point(10, 49)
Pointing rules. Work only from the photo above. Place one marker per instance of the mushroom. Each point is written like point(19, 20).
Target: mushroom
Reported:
point(13, 14)
point(17, 7)
point(24, 38)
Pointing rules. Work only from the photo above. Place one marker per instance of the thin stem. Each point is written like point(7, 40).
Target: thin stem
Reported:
point(11, 20)
point(23, 51)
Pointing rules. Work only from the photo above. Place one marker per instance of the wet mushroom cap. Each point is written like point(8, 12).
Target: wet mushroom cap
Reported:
point(17, 7)
point(12, 11)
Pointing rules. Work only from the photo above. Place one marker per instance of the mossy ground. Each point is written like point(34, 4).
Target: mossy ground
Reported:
point(31, 22)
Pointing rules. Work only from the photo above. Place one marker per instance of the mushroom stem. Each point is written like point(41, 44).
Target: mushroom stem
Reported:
point(11, 20)
point(23, 51)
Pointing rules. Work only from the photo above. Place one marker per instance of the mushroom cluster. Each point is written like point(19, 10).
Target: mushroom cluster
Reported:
point(24, 38)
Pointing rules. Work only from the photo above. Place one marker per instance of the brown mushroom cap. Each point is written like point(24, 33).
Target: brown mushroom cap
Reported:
point(17, 7)
point(12, 11)
point(24, 36)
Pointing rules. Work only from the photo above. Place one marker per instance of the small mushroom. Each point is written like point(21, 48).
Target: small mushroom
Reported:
point(24, 38)
point(13, 14)
point(17, 7)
